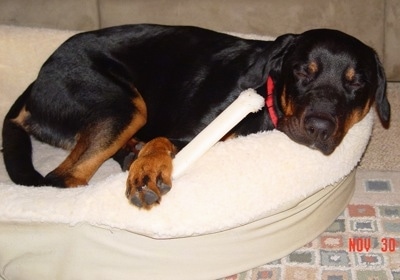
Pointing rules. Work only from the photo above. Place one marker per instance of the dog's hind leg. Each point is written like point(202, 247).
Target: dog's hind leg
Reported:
point(95, 144)
point(17, 153)
point(17, 146)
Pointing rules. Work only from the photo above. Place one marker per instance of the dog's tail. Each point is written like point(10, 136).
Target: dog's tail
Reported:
point(17, 147)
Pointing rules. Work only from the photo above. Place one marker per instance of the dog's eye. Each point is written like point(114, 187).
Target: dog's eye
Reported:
point(303, 76)
point(306, 72)
point(356, 84)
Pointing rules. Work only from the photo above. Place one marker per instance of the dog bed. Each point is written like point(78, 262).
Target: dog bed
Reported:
point(245, 202)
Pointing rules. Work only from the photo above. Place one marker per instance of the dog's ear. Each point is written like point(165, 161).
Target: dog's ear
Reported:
point(270, 60)
point(281, 46)
point(381, 101)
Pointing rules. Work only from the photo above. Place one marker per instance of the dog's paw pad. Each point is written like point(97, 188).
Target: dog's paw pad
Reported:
point(139, 146)
point(128, 161)
point(164, 188)
point(150, 197)
point(135, 200)
point(142, 197)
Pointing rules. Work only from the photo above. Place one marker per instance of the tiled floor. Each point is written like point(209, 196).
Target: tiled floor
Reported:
point(362, 243)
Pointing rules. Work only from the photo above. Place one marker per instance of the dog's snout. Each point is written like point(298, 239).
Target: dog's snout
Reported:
point(319, 128)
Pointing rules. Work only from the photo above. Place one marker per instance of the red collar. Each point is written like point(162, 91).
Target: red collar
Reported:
point(269, 101)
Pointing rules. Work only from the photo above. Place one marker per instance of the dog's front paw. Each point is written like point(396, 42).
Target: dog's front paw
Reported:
point(150, 174)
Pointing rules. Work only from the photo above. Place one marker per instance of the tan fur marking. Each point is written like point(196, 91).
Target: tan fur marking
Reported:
point(67, 165)
point(356, 116)
point(313, 67)
point(350, 74)
point(22, 117)
point(287, 104)
point(229, 135)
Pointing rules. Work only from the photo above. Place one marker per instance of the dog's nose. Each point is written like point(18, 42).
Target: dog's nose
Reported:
point(319, 128)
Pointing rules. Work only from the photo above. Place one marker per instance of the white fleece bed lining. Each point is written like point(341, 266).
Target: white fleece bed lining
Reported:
point(235, 183)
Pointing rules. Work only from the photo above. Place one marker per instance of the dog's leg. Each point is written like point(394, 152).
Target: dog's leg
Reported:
point(95, 145)
point(150, 174)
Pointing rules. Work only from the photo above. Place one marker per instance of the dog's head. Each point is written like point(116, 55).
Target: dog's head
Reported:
point(325, 81)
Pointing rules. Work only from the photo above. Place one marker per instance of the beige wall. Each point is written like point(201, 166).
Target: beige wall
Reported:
point(376, 22)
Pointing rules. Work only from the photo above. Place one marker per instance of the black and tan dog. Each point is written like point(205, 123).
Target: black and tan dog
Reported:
point(102, 92)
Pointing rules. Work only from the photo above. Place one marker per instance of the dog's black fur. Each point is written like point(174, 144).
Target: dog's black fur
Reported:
point(102, 92)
